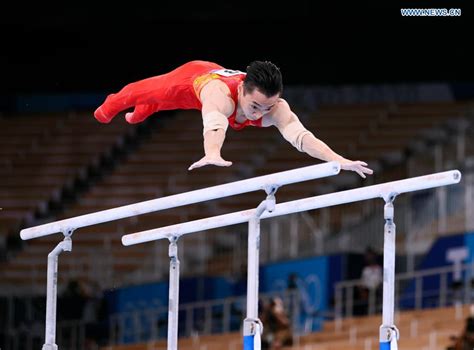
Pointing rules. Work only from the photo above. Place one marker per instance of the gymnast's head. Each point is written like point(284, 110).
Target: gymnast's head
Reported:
point(261, 89)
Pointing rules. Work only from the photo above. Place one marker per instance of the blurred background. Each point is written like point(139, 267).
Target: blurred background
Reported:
point(391, 90)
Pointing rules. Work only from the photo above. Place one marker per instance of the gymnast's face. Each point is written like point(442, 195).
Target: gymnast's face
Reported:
point(254, 104)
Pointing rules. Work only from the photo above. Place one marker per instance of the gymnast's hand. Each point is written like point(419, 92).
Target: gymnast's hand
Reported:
point(210, 160)
point(357, 166)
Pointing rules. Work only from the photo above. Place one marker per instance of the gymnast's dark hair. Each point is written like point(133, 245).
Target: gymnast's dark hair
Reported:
point(265, 77)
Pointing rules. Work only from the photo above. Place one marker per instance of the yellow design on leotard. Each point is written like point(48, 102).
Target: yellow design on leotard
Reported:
point(201, 81)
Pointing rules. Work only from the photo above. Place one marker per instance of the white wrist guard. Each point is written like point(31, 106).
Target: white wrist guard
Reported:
point(294, 133)
point(214, 120)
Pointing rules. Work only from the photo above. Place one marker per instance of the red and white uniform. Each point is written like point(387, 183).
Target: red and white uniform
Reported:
point(178, 89)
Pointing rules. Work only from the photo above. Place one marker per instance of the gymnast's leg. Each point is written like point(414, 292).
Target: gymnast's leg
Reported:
point(143, 94)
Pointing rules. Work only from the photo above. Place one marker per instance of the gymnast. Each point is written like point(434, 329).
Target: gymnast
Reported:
point(224, 97)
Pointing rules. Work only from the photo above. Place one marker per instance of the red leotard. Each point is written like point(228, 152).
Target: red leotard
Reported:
point(178, 89)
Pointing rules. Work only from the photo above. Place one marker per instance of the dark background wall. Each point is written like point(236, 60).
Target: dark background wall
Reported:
point(74, 46)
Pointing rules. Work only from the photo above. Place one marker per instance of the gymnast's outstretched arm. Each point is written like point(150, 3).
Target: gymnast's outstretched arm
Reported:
point(217, 106)
point(294, 132)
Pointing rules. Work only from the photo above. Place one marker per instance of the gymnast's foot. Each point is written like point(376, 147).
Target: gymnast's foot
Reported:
point(101, 116)
point(134, 117)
